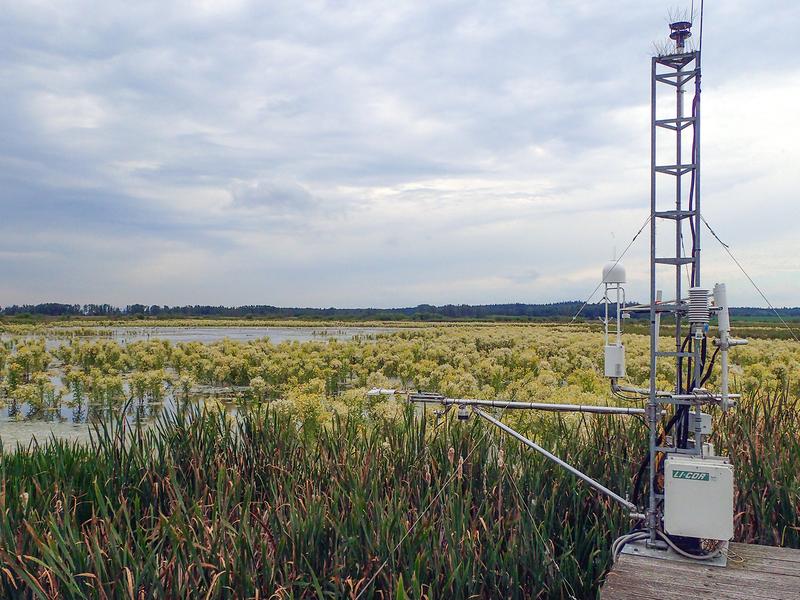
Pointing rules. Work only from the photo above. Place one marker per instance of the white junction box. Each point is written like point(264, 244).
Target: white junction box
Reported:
point(615, 361)
point(698, 497)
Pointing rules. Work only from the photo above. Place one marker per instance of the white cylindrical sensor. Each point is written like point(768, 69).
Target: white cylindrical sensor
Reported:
point(721, 300)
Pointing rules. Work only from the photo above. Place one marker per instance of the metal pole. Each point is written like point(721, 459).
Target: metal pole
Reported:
point(696, 161)
point(698, 436)
point(678, 229)
point(583, 408)
point(696, 421)
point(619, 318)
point(652, 402)
point(596, 485)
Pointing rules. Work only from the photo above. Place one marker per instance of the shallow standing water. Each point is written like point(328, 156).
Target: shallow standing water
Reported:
point(207, 335)
point(242, 334)
point(19, 425)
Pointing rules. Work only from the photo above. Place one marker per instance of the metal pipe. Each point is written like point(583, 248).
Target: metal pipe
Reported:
point(619, 318)
point(698, 436)
point(598, 486)
point(658, 322)
point(637, 516)
point(678, 233)
point(698, 373)
point(725, 396)
point(700, 396)
point(638, 390)
point(584, 408)
point(725, 342)
point(724, 327)
point(696, 161)
point(605, 312)
point(652, 402)
point(697, 395)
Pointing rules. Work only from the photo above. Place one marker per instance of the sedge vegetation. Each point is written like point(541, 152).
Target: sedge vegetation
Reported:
point(306, 490)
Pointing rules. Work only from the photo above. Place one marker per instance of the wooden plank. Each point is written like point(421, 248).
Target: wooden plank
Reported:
point(764, 567)
point(763, 559)
point(670, 575)
point(753, 571)
point(705, 582)
point(674, 591)
point(771, 552)
point(681, 583)
point(637, 565)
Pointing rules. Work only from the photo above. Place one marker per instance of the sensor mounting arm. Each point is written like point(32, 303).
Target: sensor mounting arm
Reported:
point(580, 475)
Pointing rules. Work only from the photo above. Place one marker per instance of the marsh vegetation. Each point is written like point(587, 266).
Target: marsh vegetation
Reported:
point(299, 485)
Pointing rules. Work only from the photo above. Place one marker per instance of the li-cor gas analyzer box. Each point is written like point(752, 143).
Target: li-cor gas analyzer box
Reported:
point(698, 497)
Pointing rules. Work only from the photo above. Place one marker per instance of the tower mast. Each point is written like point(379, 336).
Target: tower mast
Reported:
point(678, 71)
point(690, 489)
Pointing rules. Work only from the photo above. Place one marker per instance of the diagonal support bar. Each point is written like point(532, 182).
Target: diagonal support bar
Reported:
point(598, 486)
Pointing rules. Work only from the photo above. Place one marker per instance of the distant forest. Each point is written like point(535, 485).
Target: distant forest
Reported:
point(423, 312)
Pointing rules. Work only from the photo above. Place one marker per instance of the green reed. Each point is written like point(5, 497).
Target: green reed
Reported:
point(205, 506)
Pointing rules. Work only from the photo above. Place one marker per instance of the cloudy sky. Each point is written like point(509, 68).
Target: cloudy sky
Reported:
point(360, 153)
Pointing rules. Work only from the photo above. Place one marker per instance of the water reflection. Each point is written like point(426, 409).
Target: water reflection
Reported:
point(126, 335)
point(58, 406)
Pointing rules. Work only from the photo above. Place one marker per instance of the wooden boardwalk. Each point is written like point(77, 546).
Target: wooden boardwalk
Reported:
point(753, 572)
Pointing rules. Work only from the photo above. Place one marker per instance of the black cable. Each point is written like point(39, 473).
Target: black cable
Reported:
point(627, 398)
point(683, 429)
point(679, 383)
point(692, 182)
point(695, 102)
point(637, 482)
point(710, 367)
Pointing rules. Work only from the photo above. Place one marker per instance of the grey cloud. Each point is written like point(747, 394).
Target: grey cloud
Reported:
point(523, 276)
point(276, 196)
point(403, 145)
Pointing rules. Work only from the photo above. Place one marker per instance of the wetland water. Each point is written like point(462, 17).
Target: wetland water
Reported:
point(19, 423)
point(206, 335)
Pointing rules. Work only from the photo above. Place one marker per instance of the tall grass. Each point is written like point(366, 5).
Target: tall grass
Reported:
point(204, 506)
point(763, 440)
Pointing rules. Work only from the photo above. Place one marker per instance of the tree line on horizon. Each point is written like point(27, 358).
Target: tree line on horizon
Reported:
point(421, 312)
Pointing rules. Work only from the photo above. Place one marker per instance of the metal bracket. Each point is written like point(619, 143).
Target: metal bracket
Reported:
point(641, 548)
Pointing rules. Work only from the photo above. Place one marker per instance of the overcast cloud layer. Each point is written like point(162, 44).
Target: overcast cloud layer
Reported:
point(375, 153)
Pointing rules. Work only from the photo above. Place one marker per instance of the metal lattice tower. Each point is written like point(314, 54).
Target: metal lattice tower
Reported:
point(691, 489)
point(674, 199)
